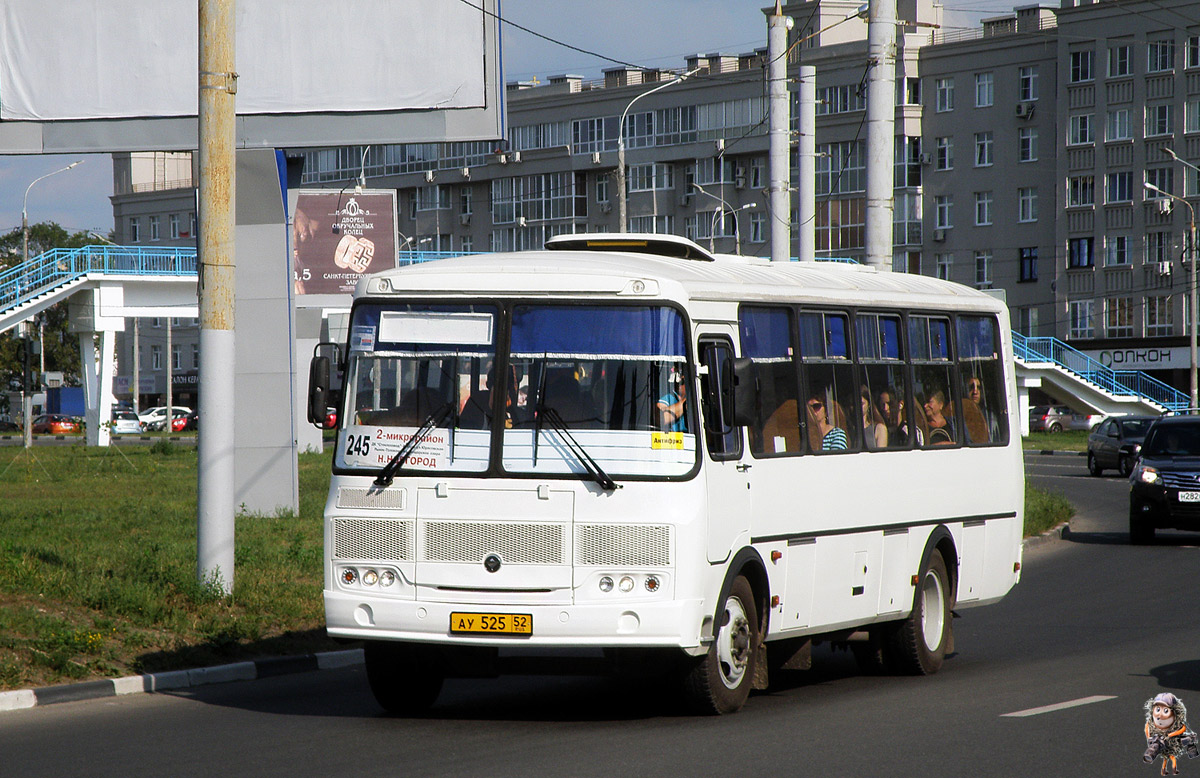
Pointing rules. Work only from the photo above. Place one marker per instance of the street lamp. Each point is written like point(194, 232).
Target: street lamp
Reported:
point(737, 236)
point(27, 405)
point(1191, 252)
point(621, 207)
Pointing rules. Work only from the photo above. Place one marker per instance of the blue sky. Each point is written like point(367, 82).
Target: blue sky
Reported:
point(654, 33)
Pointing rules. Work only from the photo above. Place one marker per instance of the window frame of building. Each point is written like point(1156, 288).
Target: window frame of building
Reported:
point(1027, 144)
point(984, 143)
point(1117, 126)
point(1027, 202)
point(944, 88)
point(942, 265)
point(466, 200)
point(1120, 60)
point(758, 227)
point(758, 173)
point(983, 269)
point(1080, 130)
point(1028, 258)
point(1116, 250)
point(173, 226)
point(983, 209)
point(985, 91)
point(1118, 317)
point(156, 360)
point(1118, 186)
point(1160, 56)
point(135, 229)
point(1079, 318)
point(1081, 191)
point(1081, 66)
point(943, 212)
point(944, 153)
point(1157, 247)
point(155, 228)
point(1161, 177)
point(1159, 120)
point(1081, 252)
point(1027, 83)
point(1159, 321)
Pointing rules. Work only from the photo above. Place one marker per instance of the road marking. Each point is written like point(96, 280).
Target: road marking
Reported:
point(1060, 706)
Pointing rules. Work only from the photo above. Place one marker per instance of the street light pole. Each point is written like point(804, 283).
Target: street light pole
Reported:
point(737, 237)
point(27, 402)
point(1194, 386)
point(621, 206)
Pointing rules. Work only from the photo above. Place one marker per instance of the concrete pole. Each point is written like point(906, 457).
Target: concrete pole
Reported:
point(881, 133)
point(1194, 388)
point(807, 194)
point(170, 378)
point(217, 87)
point(779, 169)
point(137, 368)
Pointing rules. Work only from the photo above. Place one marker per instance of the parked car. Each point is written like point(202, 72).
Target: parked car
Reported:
point(1057, 418)
point(179, 423)
point(1116, 443)
point(9, 426)
point(156, 418)
point(56, 424)
point(126, 423)
point(190, 422)
point(1164, 489)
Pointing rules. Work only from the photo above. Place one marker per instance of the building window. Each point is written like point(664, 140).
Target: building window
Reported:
point(176, 357)
point(649, 177)
point(1027, 321)
point(1158, 247)
point(944, 153)
point(1158, 120)
point(983, 209)
point(1081, 65)
point(1080, 252)
point(983, 149)
point(192, 226)
point(984, 92)
point(466, 200)
point(1080, 312)
point(1116, 250)
point(602, 188)
point(942, 206)
point(942, 264)
point(173, 225)
point(1118, 126)
point(1162, 178)
point(1119, 62)
point(758, 173)
point(1159, 322)
point(135, 230)
point(1191, 116)
point(433, 197)
point(154, 229)
point(1118, 187)
point(1027, 144)
point(466, 244)
point(945, 94)
point(1079, 129)
point(983, 270)
point(1027, 82)
point(1027, 204)
point(1081, 191)
point(1118, 317)
point(1029, 262)
point(1160, 56)
point(195, 356)
point(156, 361)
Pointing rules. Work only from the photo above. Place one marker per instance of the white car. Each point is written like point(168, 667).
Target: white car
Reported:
point(155, 418)
point(126, 423)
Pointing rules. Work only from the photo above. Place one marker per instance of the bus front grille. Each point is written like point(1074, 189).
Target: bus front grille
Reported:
point(373, 540)
point(515, 542)
point(623, 545)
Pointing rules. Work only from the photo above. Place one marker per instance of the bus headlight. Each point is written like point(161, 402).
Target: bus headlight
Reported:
point(387, 578)
point(626, 584)
point(349, 576)
point(606, 583)
point(370, 578)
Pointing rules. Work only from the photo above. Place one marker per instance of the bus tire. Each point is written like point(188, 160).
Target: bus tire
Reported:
point(918, 644)
point(720, 681)
point(405, 678)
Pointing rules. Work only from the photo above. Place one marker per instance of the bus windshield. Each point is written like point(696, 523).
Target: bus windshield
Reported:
point(412, 364)
point(615, 377)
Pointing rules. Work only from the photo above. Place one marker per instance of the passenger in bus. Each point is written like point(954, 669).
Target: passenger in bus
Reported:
point(937, 415)
point(826, 430)
point(889, 406)
point(875, 431)
point(564, 394)
point(672, 405)
point(990, 425)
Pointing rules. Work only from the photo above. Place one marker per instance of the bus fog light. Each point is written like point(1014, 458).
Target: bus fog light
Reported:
point(349, 576)
point(652, 583)
point(370, 578)
point(387, 578)
point(606, 584)
point(626, 584)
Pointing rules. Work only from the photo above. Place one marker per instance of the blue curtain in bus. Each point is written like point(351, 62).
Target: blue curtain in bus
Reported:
point(766, 333)
point(976, 337)
point(592, 330)
point(823, 335)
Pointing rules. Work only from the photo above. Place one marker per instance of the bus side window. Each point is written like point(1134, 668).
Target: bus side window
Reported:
point(724, 440)
point(982, 380)
point(830, 397)
point(766, 335)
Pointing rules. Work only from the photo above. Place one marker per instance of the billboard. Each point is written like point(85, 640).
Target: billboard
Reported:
point(339, 236)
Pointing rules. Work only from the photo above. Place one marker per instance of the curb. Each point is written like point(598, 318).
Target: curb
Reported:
point(1057, 532)
point(179, 679)
point(1053, 452)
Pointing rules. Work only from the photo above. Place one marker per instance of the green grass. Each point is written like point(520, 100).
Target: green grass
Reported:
point(1070, 440)
point(98, 566)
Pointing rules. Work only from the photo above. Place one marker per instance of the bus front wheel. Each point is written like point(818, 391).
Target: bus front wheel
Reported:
point(720, 681)
point(405, 678)
point(920, 642)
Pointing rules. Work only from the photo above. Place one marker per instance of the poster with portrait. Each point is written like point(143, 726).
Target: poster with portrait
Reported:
point(339, 236)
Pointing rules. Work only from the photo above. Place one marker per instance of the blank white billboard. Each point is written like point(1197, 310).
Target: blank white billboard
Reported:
point(108, 59)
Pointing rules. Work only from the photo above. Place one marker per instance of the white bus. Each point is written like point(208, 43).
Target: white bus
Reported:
point(624, 442)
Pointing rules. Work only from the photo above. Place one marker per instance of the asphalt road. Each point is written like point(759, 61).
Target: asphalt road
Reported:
point(1095, 628)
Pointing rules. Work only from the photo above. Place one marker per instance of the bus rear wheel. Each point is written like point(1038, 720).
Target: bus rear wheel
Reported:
point(919, 643)
point(405, 678)
point(720, 681)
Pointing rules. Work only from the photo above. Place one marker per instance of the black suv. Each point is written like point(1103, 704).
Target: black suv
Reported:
point(1165, 485)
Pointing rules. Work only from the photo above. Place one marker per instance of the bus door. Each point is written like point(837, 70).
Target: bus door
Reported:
point(726, 474)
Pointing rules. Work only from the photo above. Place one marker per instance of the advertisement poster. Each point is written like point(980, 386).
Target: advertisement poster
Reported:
point(339, 236)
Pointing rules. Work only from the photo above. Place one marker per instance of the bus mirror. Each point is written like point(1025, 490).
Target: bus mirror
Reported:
point(318, 391)
point(745, 392)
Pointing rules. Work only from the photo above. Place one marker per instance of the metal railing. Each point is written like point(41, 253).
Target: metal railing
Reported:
point(1121, 383)
point(56, 267)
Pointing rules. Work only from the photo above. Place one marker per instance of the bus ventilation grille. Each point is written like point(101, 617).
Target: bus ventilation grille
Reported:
point(622, 545)
point(373, 540)
point(471, 541)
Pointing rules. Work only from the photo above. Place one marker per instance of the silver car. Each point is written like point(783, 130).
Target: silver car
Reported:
point(1056, 418)
point(126, 423)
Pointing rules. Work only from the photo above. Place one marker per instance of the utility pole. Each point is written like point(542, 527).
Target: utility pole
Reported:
point(806, 194)
point(215, 477)
point(881, 132)
point(779, 169)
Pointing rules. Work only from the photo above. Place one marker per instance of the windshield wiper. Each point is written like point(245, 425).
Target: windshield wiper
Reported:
point(590, 465)
point(432, 420)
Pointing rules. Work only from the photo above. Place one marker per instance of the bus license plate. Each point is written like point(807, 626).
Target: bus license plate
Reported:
point(1189, 496)
point(492, 623)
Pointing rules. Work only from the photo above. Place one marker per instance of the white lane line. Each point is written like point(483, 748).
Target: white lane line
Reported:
point(1060, 706)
